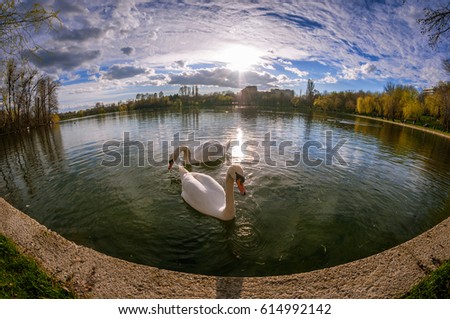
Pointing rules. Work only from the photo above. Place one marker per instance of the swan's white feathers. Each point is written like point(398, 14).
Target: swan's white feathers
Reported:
point(203, 193)
point(182, 170)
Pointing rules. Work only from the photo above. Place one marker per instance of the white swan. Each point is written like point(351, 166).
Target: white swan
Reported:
point(206, 152)
point(206, 195)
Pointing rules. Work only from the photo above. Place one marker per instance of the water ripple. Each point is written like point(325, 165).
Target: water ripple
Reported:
point(246, 241)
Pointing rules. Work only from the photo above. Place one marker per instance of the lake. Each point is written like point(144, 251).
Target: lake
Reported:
point(321, 190)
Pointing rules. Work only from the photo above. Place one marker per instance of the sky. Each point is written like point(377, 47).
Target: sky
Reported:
point(108, 51)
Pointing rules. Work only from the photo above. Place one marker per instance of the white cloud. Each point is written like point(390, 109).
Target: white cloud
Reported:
point(280, 60)
point(368, 68)
point(364, 70)
point(223, 77)
point(93, 69)
point(296, 71)
point(328, 79)
point(267, 66)
point(179, 65)
point(154, 80)
point(284, 81)
point(72, 77)
point(350, 73)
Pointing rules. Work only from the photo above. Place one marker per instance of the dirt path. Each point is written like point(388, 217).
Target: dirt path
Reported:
point(91, 274)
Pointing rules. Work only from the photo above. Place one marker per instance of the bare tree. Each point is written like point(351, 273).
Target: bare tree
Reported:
point(446, 65)
point(389, 87)
point(29, 99)
point(435, 23)
point(26, 87)
point(52, 98)
point(11, 78)
point(311, 92)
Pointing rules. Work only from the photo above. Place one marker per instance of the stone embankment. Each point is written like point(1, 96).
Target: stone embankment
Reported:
point(91, 274)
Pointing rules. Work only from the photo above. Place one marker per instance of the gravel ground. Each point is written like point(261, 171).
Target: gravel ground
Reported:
point(91, 274)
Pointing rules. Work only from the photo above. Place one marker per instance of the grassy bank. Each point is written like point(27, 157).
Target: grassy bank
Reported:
point(435, 285)
point(21, 277)
point(416, 126)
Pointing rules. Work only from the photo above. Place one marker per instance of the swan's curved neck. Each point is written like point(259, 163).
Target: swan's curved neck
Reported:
point(187, 153)
point(230, 210)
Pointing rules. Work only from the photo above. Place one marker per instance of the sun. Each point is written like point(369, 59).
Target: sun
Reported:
point(240, 57)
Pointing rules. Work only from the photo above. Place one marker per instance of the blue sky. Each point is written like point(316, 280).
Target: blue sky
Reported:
point(106, 51)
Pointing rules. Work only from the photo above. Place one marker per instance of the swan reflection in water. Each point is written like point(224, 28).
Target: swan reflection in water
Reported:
point(207, 153)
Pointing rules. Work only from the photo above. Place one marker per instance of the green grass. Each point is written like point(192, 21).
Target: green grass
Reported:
point(434, 286)
point(21, 277)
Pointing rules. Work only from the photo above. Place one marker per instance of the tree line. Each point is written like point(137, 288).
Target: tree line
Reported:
point(396, 102)
point(28, 98)
point(149, 101)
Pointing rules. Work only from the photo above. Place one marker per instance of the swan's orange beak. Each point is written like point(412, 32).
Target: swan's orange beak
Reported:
point(170, 164)
point(241, 187)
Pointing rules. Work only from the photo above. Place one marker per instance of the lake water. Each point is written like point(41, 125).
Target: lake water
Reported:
point(381, 185)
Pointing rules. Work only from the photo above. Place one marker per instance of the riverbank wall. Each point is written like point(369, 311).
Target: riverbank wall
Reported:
point(91, 274)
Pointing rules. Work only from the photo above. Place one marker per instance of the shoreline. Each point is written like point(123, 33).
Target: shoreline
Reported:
point(416, 127)
point(90, 274)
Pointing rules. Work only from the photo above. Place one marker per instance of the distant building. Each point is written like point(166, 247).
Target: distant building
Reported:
point(250, 90)
point(428, 91)
point(248, 95)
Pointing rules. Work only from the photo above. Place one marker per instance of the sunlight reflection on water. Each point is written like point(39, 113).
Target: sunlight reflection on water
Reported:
point(237, 153)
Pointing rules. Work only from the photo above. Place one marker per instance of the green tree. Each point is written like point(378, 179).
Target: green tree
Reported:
point(410, 104)
point(438, 104)
point(366, 104)
point(390, 100)
point(322, 102)
point(360, 107)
